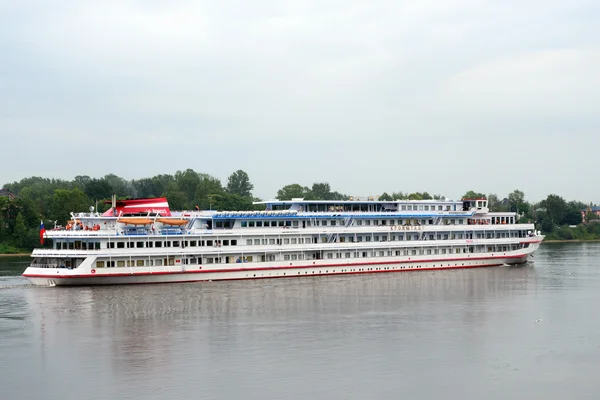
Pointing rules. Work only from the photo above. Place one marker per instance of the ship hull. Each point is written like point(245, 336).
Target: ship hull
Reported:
point(120, 276)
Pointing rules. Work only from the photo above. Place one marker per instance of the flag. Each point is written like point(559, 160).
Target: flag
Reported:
point(42, 231)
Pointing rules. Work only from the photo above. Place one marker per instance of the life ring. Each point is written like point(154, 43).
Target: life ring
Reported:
point(93, 271)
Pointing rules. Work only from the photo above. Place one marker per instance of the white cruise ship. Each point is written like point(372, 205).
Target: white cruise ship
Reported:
point(142, 241)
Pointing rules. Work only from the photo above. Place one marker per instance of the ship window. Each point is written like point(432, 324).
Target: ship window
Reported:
point(120, 263)
point(368, 238)
point(294, 240)
point(413, 252)
point(294, 223)
point(158, 263)
point(381, 253)
point(286, 241)
point(244, 224)
point(248, 242)
point(149, 244)
point(286, 257)
point(271, 241)
point(209, 242)
point(333, 222)
point(273, 223)
point(139, 263)
point(120, 245)
point(294, 257)
point(139, 245)
point(256, 242)
point(329, 255)
point(258, 224)
point(99, 264)
point(193, 243)
point(219, 224)
point(225, 242)
point(426, 208)
point(157, 244)
point(251, 224)
point(168, 243)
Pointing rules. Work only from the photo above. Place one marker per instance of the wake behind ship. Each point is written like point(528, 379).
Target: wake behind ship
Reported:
point(143, 241)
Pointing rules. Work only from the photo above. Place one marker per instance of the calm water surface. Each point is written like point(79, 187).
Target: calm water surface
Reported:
point(529, 332)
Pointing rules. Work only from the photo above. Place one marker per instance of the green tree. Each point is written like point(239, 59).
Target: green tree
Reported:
point(516, 201)
point(239, 184)
point(321, 191)
point(493, 202)
point(20, 230)
point(80, 181)
point(292, 191)
point(98, 189)
point(65, 201)
point(556, 208)
point(233, 202)
point(187, 182)
point(177, 198)
point(573, 212)
point(385, 197)
point(207, 189)
point(473, 195)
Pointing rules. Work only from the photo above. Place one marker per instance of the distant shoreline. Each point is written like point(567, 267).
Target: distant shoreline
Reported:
point(15, 255)
point(571, 240)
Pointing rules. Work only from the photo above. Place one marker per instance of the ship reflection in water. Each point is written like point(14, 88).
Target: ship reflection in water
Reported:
point(472, 332)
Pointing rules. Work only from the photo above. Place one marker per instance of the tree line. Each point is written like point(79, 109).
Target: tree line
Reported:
point(51, 200)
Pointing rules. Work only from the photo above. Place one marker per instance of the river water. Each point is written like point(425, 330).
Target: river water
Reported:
point(530, 332)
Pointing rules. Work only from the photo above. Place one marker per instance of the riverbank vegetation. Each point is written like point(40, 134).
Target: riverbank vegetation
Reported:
point(25, 203)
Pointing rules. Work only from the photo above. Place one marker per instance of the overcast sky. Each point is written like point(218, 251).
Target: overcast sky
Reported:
point(371, 96)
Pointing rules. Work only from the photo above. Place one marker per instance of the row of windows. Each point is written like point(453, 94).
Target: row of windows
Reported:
point(378, 238)
point(337, 222)
point(77, 245)
point(171, 243)
point(361, 222)
point(199, 260)
point(82, 245)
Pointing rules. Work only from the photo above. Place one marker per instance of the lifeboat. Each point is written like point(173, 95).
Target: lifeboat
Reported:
point(135, 221)
point(172, 221)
